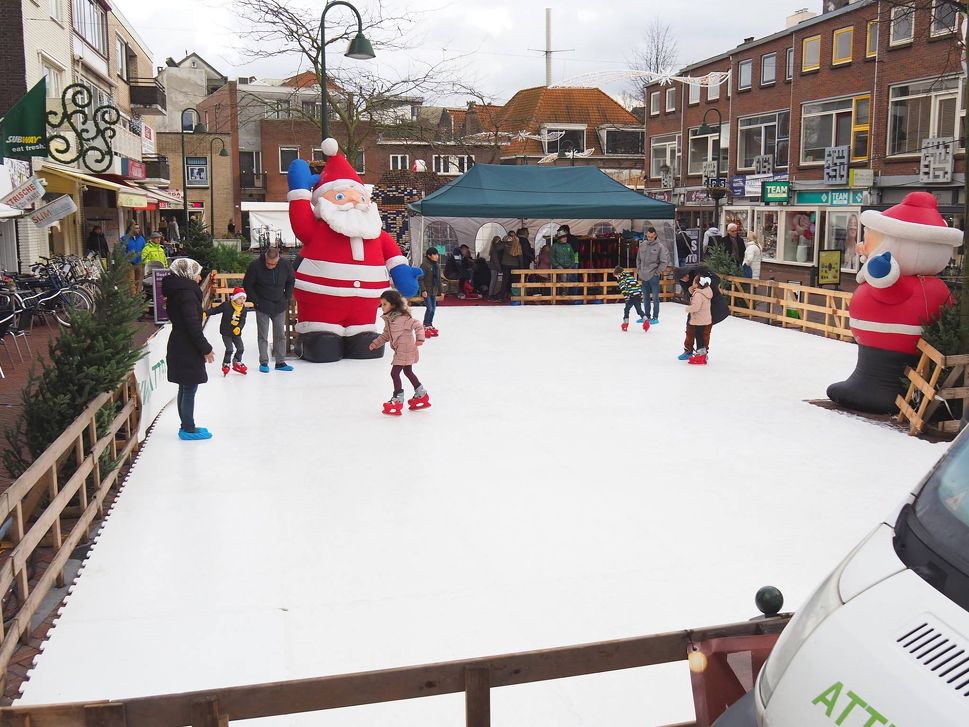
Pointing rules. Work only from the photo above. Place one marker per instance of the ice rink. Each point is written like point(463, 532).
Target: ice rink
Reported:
point(571, 483)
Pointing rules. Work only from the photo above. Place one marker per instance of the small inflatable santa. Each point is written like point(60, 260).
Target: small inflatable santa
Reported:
point(345, 260)
point(904, 247)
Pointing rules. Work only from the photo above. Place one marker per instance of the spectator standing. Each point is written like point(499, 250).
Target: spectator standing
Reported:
point(735, 244)
point(269, 284)
point(97, 242)
point(431, 289)
point(528, 252)
point(752, 257)
point(651, 262)
point(174, 235)
point(511, 259)
point(494, 265)
point(134, 244)
point(153, 252)
point(231, 228)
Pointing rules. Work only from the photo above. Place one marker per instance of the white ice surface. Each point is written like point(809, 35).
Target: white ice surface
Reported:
point(571, 483)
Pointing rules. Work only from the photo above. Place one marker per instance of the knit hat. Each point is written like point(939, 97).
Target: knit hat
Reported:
point(238, 293)
point(916, 219)
point(337, 174)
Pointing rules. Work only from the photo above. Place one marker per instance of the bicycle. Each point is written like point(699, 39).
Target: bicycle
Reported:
point(47, 292)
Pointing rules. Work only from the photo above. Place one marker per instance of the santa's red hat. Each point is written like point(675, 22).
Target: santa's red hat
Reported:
point(915, 219)
point(337, 174)
point(238, 293)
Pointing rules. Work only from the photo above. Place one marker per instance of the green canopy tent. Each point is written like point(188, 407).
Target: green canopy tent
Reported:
point(507, 196)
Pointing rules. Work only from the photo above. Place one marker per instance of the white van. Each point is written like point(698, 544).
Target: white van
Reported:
point(885, 639)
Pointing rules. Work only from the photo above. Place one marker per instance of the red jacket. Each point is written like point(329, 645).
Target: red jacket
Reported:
point(892, 318)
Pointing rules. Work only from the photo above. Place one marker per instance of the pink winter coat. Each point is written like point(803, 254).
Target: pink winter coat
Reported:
point(400, 331)
point(699, 308)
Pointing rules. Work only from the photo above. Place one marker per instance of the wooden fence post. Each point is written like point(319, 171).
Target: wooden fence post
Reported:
point(104, 715)
point(206, 713)
point(477, 697)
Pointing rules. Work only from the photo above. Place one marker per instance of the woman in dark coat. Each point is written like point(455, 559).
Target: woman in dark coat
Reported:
point(188, 350)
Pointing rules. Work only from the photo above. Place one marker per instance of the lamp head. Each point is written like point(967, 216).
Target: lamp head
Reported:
point(199, 128)
point(705, 130)
point(223, 152)
point(360, 49)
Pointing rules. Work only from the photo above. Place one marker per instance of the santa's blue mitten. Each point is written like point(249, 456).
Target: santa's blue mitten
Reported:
point(882, 271)
point(405, 279)
point(301, 179)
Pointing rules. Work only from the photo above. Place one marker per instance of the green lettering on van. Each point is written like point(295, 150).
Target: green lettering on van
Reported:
point(829, 697)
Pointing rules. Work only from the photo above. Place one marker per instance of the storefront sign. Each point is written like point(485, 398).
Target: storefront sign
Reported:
point(25, 195)
point(749, 186)
point(737, 186)
point(147, 139)
point(158, 299)
point(861, 178)
point(829, 267)
point(54, 211)
point(662, 196)
point(132, 201)
point(776, 192)
point(937, 160)
point(25, 125)
point(133, 169)
point(698, 197)
point(198, 171)
point(694, 235)
point(831, 197)
point(836, 160)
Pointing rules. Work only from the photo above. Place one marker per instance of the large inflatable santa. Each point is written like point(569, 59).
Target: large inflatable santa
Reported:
point(345, 261)
point(903, 248)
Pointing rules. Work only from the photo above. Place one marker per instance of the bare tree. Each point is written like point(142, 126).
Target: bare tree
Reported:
point(658, 52)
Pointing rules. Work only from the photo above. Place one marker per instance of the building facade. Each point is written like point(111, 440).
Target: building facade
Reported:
point(838, 106)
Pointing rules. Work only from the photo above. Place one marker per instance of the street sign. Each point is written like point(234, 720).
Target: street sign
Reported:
point(776, 192)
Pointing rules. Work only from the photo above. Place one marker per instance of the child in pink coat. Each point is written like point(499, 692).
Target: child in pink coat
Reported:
point(405, 334)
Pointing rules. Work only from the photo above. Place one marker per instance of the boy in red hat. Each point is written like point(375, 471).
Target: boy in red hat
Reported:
point(234, 313)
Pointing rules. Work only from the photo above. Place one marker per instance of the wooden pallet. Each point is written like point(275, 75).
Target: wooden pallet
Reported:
point(935, 381)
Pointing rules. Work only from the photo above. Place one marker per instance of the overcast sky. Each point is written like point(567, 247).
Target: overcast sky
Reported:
point(497, 34)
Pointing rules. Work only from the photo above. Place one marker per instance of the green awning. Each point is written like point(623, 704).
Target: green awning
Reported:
point(540, 192)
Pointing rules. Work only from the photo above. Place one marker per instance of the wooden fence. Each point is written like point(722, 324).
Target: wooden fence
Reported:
point(575, 286)
point(933, 383)
point(474, 677)
point(69, 473)
point(816, 310)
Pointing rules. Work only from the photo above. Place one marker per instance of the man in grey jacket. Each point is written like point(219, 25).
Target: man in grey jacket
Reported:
point(651, 261)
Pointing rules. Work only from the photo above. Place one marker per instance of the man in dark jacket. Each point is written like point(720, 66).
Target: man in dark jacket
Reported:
point(269, 284)
point(98, 243)
point(528, 252)
point(735, 244)
point(430, 288)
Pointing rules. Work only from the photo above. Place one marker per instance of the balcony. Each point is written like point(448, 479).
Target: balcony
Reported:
point(148, 97)
point(157, 170)
point(252, 182)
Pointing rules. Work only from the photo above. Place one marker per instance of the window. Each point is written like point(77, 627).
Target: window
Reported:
point(745, 75)
point(713, 87)
point(798, 236)
point(55, 9)
point(653, 104)
point(842, 234)
point(441, 236)
point(871, 43)
point(53, 76)
point(250, 169)
point(944, 17)
point(694, 93)
point(768, 69)
point(811, 54)
point(570, 139)
point(197, 171)
point(706, 148)
point(671, 99)
point(399, 162)
point(287, 155)
point(664, 151)
point(903, 25)
point(451, 165)
point(825, 124)
point(922, 110)
point(360, 165)
point(624, 141)
point(310, 109)
point(99, 96)
point(841, 50)
point(90, 21)
point(860, 128)
point(121, 50)
point(789, 72)
point(278, 109)
point(318, 155)
point(765, 134)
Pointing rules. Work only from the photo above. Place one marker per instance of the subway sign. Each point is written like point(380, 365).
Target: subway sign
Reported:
point(775, 192)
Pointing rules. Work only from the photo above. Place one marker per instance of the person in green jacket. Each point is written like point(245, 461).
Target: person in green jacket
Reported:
point(563, 258)
point(153, 251)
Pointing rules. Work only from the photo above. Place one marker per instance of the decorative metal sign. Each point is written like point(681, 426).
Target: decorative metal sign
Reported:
point(666, 179)
point(836, 160)
point(83, 133)
point(709, 172)
point(937, 160)
point(764, 164)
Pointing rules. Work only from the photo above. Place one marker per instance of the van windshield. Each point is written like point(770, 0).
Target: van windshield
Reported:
point(943, 505)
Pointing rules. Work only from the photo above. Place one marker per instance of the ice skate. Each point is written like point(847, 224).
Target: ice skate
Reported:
point(225, 369)
point(394, 407)
point(685, 356)
point(431, 332)
point(625, 326)
point(645, 326)
point(420, 400)
point(699, 359)
point(240, 368)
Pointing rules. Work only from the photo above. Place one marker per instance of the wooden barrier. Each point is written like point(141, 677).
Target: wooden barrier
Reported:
point(576, 286)
point(934, 378)
point(475, 677)
point(82, 483)
point(815, 310)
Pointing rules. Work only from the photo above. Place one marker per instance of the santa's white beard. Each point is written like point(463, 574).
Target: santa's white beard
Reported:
point(349, 220)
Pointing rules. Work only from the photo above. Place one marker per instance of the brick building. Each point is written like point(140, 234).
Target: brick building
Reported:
point(210, 178)
point(871, 76)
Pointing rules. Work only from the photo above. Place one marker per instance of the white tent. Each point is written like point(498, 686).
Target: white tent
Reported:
point(272, 215)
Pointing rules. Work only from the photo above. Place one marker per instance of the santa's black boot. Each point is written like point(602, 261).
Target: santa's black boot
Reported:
point(358, 346)
point(875, 383)
point(319, 347)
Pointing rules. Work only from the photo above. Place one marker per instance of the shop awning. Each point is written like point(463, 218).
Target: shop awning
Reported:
point(62, 170)
point(7, 212)
point(160, 195)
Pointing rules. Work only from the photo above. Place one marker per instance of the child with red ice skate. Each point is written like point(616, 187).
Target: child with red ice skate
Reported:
point(700, 319)
point(234, 313)
point(633, 293)
point(405, 334)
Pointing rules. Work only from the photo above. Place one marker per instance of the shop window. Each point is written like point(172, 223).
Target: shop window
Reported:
point(739, 216)
point(745, 73)
point(903, 25)
point(705, 148)
point(824, 124)
point(670, 99)
point(789, 71)
point(871, 42)
point(653, 104)
point(694, 93)
point(664, 150)
point(287, 155)
point(811, 54)
point(922, 110)
point(841, 233)
point(841, 46)
point(766, 227)
point(713, 87)
point(768, 69)
point(944, 17)
point(860, 128)
point(760, 135)
point(399, 162)
point(799, 236)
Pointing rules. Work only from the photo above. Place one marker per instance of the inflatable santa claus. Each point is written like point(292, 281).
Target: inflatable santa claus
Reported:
point(903, 248)
point(344, 263)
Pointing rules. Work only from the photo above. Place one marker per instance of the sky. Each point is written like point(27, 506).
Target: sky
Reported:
point(491, 41)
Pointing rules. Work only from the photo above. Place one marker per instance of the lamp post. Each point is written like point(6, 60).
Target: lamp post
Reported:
point(359, 49)
point(222, 153)
point(198, 128)
point(715, 190)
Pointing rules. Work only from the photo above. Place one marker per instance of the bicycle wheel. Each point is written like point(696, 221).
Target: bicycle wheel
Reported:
point(69, 300)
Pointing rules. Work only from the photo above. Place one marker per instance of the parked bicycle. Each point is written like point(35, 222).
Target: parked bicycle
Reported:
point(48, 291)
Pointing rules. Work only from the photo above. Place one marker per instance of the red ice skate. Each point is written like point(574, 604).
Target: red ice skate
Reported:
point(645, 326)
point(240, 368)
point(431, 332)
point(625, 326)
point(699, 359)
point(225, 369)
point(416, 403)
point(393, 407)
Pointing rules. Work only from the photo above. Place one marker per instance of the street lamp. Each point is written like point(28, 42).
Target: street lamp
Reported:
point(567, 148)
point(714, 190)
point(359, 49)
point(198, 128)
point(222, 153)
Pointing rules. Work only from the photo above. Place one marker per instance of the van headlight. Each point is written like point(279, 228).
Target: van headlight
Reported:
point(822, 603)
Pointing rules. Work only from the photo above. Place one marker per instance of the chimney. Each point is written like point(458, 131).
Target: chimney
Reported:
point(799, 17)
point(746, 41)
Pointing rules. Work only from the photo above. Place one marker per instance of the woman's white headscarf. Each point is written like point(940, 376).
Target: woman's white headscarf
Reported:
point(186, 268)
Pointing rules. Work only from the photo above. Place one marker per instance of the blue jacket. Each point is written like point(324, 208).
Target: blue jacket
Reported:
point(133, 246)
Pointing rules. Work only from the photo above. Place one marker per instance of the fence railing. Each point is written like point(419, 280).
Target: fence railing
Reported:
point(934, 382)
point(69, 474)
point(790, 305)
point(474, 677)
point(575, 286)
